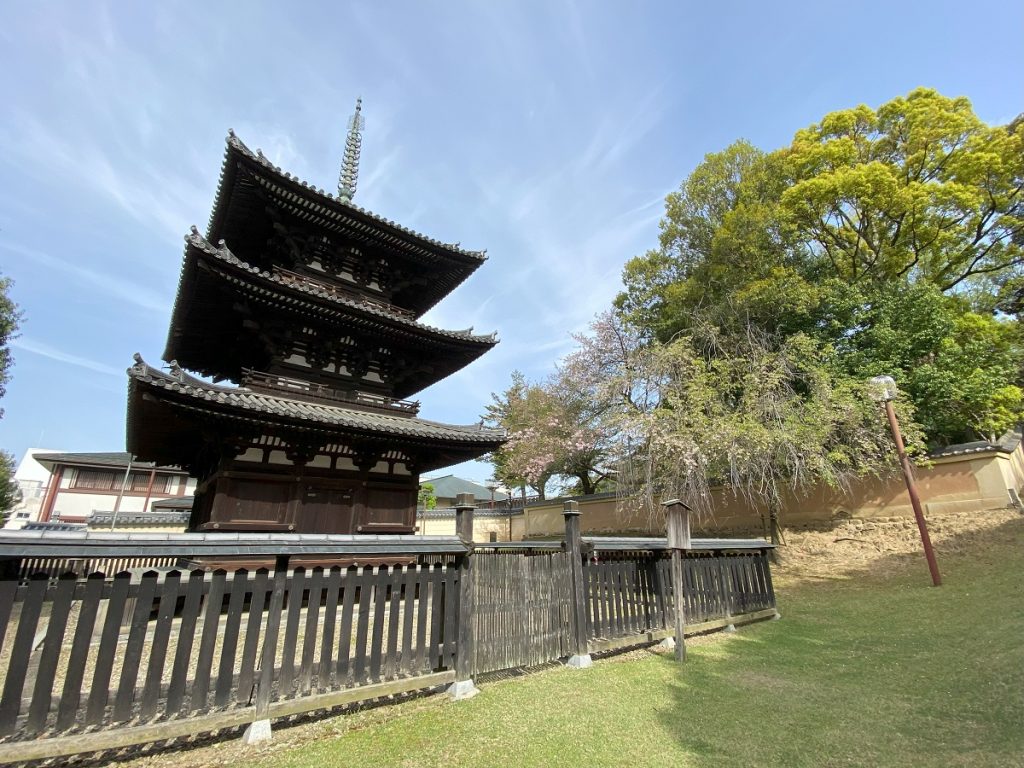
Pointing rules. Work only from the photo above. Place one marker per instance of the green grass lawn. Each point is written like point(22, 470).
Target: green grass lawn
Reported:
point(864, 670)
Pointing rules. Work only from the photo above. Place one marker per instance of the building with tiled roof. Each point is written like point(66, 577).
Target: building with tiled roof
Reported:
point(82, 488)
point(299, 313)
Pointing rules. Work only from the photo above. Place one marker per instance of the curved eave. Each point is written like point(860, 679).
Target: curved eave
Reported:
point(200, 318)
point(313, 296)
point(449, 263)
point(165, 412)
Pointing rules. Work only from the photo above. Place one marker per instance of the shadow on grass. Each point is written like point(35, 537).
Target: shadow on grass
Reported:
point(229, 737)
point(869, 666)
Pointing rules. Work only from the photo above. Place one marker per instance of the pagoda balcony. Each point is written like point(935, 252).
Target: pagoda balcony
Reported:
point(296, 389)
point(336, 291)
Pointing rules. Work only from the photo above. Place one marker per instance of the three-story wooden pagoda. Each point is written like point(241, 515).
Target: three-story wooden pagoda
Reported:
point(309, 306)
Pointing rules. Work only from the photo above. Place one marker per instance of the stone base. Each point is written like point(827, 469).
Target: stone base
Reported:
point(729, 628)
point(257, 732)
point(777, 616)
point(669, 644)
point(462, 689)
point(580, 662)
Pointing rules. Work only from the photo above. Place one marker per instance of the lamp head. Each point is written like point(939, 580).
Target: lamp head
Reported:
point(882, 388)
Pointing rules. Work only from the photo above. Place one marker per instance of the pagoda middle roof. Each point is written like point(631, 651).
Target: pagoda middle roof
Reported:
point(235, 212)
point(192, 337)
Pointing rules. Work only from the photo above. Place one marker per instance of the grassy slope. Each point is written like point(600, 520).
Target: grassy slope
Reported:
point(873, 670)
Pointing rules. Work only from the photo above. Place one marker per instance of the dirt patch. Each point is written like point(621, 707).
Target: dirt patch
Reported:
point(877, 544)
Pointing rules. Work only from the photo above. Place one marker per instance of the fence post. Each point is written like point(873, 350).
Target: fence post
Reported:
point(574, 550)
point(463, 687)
point(678, 527)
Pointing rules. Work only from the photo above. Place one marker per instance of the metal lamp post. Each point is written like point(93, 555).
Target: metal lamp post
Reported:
point(884, 391)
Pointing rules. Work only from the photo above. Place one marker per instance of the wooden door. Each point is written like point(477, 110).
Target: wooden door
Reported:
point(326, 510)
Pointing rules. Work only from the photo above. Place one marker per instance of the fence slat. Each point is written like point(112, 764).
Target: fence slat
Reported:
point(8, 588)
point(229, 644)
point(423, 601)
point(350, 585)
point(380, 591)
point(208, 640)
point(409, 582)
point(257, 607)
point(71, 695)
point(176, 700)
point(436, 616)
point(316, 580)
point(326, 673)
point(394, 614)
point(161, 636)
point(296, 590)
point(133, 651)
point(99, 691)
point(47, 669)
point(365, 590)
point(10, 701)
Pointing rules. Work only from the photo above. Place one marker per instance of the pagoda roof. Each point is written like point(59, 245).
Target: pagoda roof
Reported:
point(197, 318)
point(236, 207)
point(161, 435)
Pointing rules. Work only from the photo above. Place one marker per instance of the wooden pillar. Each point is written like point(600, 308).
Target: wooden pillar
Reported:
point(463, 687)
point(574, 551)
point(149, 489)
point(50, 500)
point(678, 528)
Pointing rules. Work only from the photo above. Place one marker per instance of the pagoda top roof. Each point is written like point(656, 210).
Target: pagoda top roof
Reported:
point(314, 194)
point(263, 407)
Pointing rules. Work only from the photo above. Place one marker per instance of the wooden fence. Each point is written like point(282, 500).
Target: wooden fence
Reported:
point(631, 594)
point(521, 612)
point(105, 659)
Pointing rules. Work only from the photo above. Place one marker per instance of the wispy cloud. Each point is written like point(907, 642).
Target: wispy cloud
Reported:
point(148, 190)
point(125, 291)
point(52, 353)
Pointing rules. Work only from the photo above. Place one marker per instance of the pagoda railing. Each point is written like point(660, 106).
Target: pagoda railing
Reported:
point(284, 385)
point(294, 278)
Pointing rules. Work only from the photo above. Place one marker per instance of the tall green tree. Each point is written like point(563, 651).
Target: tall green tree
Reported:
point(883, 234)
point(919, 188)
point(10, 320)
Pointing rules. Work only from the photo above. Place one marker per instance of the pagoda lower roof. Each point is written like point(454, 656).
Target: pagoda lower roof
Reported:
point(199, 320)
point(239, 214)
point(166, 410)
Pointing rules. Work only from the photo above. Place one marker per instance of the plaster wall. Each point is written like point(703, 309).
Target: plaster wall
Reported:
point(482, 527)
point(951, 484)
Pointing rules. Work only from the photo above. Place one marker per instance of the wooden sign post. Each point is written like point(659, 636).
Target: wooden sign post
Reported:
point(677, 523)
point(463, 687)
point(574, 551)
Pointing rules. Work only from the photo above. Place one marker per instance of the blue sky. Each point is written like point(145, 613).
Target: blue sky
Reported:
point(546, 132)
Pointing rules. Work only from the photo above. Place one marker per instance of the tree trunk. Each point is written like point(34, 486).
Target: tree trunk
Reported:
point(773, 526)
point(586, 483)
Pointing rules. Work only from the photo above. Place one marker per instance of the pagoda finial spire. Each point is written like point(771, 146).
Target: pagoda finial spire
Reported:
point(349, 175)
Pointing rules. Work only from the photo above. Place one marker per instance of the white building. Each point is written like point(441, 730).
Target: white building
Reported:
point(32, 478)
point(73, 487)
